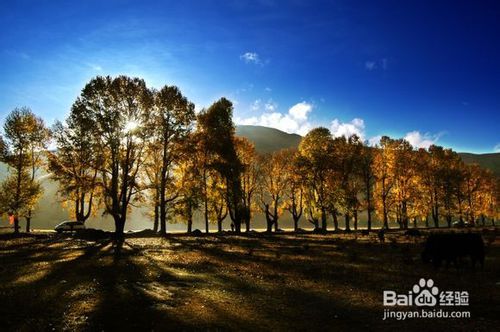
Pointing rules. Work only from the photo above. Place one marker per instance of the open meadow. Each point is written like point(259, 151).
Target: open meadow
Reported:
point(277, 282)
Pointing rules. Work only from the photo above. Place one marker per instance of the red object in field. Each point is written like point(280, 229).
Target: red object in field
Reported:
point(11, 219)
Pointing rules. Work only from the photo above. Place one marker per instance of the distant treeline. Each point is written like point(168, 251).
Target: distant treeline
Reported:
point(125, 145)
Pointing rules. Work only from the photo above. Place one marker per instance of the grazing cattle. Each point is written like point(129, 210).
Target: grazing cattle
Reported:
point(381, 235)
point(452, 247)
point(413, 232)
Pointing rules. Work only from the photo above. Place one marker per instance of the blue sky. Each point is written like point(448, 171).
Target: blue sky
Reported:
point(425, 70)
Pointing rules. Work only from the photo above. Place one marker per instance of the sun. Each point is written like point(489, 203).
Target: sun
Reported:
point(130, 126)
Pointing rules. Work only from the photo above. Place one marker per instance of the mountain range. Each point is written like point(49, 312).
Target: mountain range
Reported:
point(269, 139)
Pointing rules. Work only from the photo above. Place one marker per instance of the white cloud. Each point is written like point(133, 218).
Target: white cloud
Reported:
point(419, 140)
point(256, 105)
point(251, 57)
point(497, 148)
point(270, 106)
point(294, 121)
point(300, 111)
point(347, 129)
point(373, 141)
point(268, 89)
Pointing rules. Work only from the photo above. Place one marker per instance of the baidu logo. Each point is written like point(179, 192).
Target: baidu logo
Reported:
point(426, 294)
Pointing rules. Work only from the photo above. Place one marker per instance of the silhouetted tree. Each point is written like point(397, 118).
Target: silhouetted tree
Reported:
point(217, 128)
point(118, 111)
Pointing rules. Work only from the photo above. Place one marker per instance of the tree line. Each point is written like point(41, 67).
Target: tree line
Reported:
point(125, 145)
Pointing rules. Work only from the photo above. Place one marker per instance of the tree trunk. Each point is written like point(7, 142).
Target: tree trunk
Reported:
point(163, 216)
point(369, 221)
point(28, 222)
point(415, 222)
point(355, 214)
point(335, 220)
point(426, 221)
point(156, 217)
point(16, 225)
point(386, 221)
point(323, 220)
point(295, 223)
point(190, 224)
point(347, 220)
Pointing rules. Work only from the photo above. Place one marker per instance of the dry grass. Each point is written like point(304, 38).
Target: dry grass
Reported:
point(282, 282)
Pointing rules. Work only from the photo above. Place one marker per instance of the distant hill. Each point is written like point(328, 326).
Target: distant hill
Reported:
point(267, 140)
point(486, 160)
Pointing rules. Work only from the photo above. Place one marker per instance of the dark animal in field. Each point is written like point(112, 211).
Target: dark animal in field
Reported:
point(413, 232)
point(365, 232)
point(197, 232)
point(381, 235)
point(453, 247)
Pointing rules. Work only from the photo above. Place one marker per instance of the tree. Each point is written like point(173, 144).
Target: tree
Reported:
point(26, 140)
point(404, 173)
point(450, 174)
point(23, 200)
point(216, 126)
point(118, 110)
point(170, 122)
point(273, 186)
point(295, 179)
point(189, 191)
point(383, 165)
point(216, 199)
point(74, 164)
point(346, 162)
point(316, 150)
point(249, 176)
point(366, 173)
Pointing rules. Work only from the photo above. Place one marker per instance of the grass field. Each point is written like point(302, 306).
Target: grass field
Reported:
point(279, 282)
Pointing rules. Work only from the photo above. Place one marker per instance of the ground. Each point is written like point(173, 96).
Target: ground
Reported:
point(279, 282)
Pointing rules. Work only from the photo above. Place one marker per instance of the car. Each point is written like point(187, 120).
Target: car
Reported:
point(69, 226)
point(462, 224)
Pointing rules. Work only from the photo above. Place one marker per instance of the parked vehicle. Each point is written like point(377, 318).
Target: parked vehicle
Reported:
point(462, 224)
point(69, 226)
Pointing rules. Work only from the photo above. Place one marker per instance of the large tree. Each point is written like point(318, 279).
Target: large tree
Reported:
point(383, 170)
point(118, 111)
point(316, 152)
point(217, 129)
point(346, 163)
point(170, 122)
point(249, 175)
